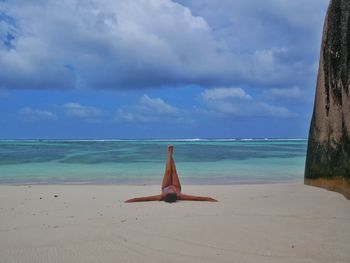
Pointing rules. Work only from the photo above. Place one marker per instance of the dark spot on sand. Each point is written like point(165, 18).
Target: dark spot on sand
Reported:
point(292, 246)
point(40, 198)
point(55, 196)
point(123, 221)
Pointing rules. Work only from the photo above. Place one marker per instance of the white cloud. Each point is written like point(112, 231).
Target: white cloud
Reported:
point(150, 110)
point(106, 44)
point(233, 102)
point(87, 113)
point(256, 31)
point(156, 105)
point(225, 93)
point(30, 114)
point(265, 65)
point(262, 109)
point(294, 93)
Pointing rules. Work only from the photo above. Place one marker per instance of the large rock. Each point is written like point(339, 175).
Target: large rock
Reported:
point(328, 153)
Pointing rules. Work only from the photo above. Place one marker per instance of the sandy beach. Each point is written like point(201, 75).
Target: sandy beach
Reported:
point(250, 223)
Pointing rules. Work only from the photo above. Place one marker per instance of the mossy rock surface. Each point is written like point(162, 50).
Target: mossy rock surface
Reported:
point(328, 153)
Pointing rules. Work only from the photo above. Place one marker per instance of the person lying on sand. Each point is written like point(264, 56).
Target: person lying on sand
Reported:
point(171, 187)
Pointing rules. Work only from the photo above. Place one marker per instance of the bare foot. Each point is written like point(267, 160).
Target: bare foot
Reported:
point(170, 149)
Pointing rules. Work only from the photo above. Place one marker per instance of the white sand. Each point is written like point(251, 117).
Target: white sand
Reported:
point(250, 223)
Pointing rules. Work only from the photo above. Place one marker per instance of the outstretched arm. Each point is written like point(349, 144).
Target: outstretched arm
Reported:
point(196, 198)
point(145, 199)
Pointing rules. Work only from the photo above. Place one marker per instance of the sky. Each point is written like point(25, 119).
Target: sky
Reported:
point(147, 69)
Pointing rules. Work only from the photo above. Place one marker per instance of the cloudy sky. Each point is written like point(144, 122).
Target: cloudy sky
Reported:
point(104, 69)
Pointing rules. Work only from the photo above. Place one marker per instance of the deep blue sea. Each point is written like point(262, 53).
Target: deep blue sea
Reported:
point(143, 162)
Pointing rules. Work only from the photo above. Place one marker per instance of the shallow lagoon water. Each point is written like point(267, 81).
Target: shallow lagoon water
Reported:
point(143, 162)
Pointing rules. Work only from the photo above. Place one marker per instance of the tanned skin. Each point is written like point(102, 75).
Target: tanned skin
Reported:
point(171, 184)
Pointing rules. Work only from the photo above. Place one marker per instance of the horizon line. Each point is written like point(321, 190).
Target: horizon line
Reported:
point(162, 139)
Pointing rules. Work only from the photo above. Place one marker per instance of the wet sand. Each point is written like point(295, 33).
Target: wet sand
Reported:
point(250, 223)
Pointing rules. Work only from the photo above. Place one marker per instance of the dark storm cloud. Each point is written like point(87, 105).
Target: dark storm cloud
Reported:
point(109, 44)
point(290, 30)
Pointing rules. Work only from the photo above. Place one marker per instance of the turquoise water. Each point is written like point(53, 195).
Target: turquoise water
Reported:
point(143, 162)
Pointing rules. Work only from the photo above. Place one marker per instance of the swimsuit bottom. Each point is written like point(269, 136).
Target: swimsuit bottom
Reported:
point(171, 189)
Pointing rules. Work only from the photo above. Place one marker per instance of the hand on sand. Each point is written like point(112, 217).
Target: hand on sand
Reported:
point(212, 199)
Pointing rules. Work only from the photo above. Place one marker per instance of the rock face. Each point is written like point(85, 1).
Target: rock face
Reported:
point(328, 153)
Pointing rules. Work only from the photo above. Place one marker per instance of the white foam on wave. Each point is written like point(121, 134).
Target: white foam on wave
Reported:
point(155, 140)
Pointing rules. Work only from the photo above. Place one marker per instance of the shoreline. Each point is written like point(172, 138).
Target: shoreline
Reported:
point(336, 184)
point(156, 183)
point(288, 222)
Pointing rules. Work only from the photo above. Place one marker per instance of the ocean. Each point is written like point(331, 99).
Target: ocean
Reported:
point(138, 162)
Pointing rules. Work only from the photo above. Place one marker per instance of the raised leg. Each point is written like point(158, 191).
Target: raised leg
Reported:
point(167, 179)
point(174, 176)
